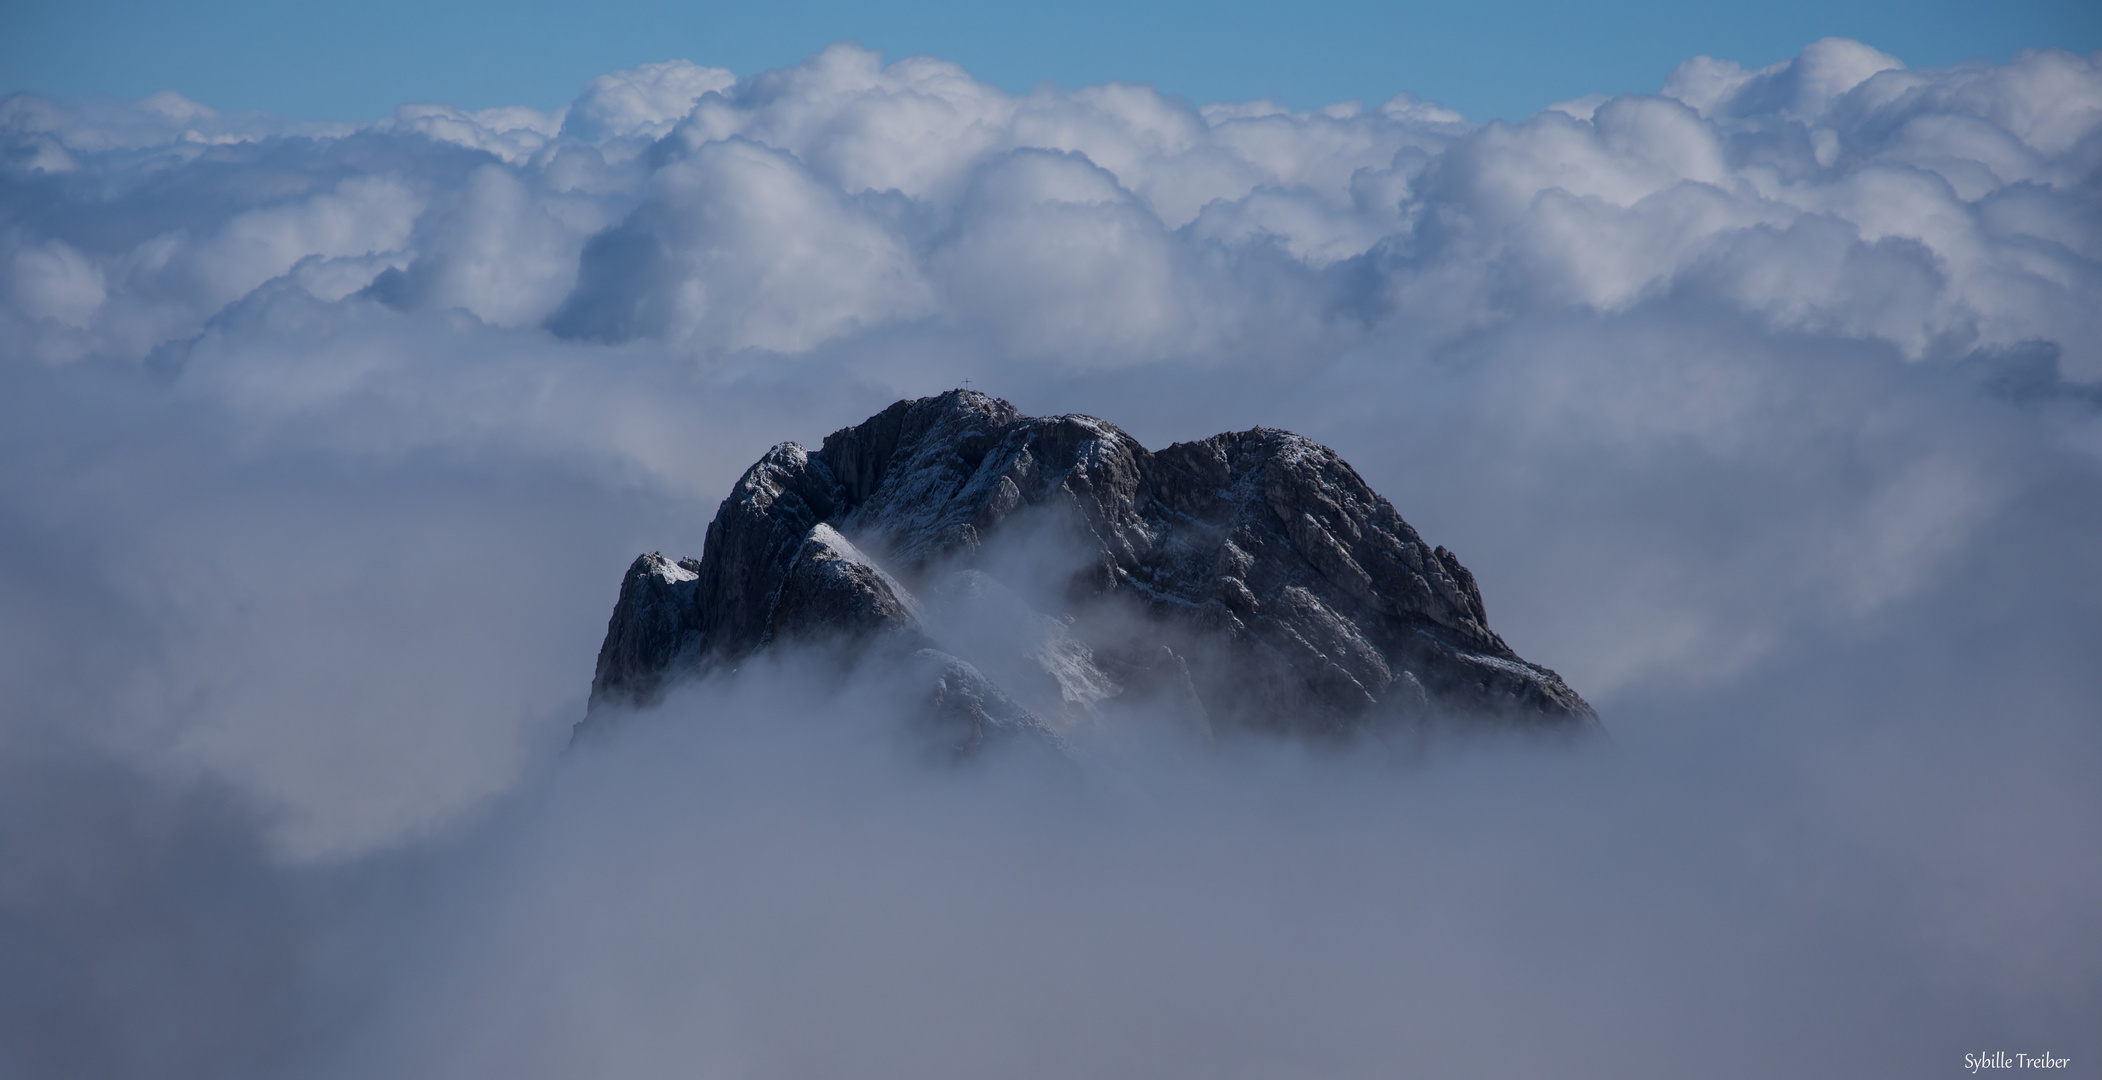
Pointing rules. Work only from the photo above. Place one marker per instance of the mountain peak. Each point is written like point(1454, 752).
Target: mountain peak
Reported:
point(1057, 569)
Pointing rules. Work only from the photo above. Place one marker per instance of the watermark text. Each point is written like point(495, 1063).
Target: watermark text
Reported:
point(2001, 1059)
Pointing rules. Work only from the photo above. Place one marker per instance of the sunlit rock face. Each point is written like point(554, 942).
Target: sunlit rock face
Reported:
point(1051, 571)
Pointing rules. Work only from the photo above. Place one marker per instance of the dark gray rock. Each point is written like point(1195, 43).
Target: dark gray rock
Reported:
point(831, 590)
point(1249, 579)
point(964, 709)
point(653, 633)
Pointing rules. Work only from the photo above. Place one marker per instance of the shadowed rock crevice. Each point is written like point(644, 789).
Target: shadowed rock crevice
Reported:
point(1051, 570)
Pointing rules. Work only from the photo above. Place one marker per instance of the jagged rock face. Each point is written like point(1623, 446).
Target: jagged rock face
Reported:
point(653, 632)
point(1254, 578)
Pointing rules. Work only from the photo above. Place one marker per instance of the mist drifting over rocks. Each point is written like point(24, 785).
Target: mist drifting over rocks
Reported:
point(1764, 409)
point(1057, 573)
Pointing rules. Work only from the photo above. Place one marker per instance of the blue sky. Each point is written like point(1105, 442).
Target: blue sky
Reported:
point(1505, 58)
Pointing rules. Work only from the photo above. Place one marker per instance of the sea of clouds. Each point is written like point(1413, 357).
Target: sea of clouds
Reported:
point(1767, 409)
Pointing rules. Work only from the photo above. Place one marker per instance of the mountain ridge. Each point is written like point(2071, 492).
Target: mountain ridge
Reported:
point(1253, 578)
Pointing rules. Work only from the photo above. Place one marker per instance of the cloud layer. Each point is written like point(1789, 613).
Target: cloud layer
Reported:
point(1765, 409)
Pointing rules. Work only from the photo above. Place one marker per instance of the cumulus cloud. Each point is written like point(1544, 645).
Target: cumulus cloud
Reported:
point(512, 133)
point(1835, 193)
point(643, 102)
point(739, 247)
point(1764, 408)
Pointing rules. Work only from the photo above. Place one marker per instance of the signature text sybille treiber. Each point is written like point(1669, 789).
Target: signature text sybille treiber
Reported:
point(2001, 1059)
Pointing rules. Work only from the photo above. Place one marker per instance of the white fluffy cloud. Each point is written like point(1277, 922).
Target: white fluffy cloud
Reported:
point(1765, 409)
point(643, 102)
point(1939, 212)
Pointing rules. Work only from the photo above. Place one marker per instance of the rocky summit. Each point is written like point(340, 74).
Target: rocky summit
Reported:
point(1033, 573)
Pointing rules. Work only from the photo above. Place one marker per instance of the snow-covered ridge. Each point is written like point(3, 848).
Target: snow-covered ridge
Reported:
point(1249, 580)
